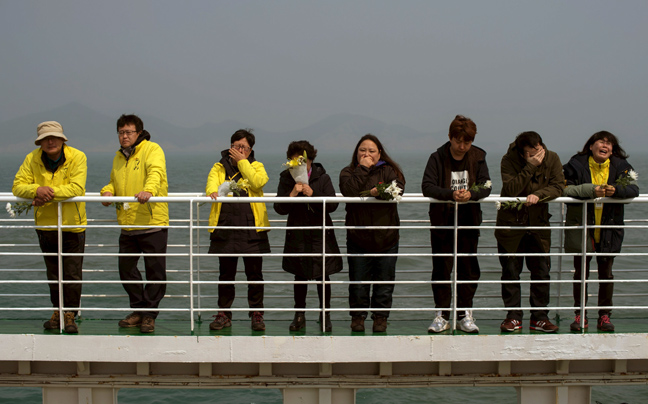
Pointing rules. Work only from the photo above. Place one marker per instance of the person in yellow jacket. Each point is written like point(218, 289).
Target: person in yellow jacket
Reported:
point(238, 165)
point(50, 174)
point(139, 169)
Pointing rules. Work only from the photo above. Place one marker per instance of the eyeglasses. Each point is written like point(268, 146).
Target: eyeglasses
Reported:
point(240, 147)
point(126, 132)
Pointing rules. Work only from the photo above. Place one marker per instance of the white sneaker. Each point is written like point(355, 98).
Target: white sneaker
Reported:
point(467, 324)
point(439, 324)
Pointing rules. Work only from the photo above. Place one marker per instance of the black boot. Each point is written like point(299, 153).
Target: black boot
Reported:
point(299, 322)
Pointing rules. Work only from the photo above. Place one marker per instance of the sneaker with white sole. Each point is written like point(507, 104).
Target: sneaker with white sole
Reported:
point(439, 324)
point(467, 324)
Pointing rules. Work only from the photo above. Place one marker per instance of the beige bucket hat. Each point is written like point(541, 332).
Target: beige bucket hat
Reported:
point(49, 128)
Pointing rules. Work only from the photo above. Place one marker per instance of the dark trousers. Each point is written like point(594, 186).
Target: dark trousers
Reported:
point(371, 269)
point(467, 269)
point(511, 270)
point(301, 290)
point(253, 272)
point(72, 266)
point(606, 289)
point(149, 295)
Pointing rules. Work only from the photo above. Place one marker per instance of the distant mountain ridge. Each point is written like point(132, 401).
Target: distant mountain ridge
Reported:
point(92, 131)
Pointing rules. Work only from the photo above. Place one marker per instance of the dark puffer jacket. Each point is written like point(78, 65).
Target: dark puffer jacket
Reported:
point(521, 179)
point(358, 179)
point(577, 175)
point(308, 214)
point(436, 184)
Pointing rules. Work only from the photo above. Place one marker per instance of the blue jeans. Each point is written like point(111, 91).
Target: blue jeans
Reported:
point(371, 269)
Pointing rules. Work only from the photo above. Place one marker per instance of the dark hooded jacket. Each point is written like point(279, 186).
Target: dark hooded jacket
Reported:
point(353, 181)
point(436, 184)
point(577, 173)
point(520, 179)
point(308, 214)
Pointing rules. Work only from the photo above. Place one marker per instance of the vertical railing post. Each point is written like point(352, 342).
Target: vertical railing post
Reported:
point(583, 279)
point(560, 258)
point(455, 236)
point(323, 308)
point(191, 256)
point(59, 258)
point(198, 287)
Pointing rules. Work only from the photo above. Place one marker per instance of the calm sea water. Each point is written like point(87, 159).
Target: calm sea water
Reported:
point(189, 174)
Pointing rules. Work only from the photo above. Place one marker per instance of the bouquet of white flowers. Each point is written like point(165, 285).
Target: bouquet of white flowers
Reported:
point(386, 192)
point(298, 168)
point(18, 208)
point(235, 187)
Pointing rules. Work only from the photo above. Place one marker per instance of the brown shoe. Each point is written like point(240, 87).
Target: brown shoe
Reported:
point(357, 324)
point(543, 325)
point(221, 321)
point(132, 320)
point(53, 323)
point(148, 325)
point(257, 321)
point(379, 324)
point(70, 325)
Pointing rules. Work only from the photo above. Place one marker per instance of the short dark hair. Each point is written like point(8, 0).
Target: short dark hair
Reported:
point(617, 150)
point(383, 155)
point(299, 147)
point(527, 139)
point(131, 119)
point(243, 133)
point(462, 128)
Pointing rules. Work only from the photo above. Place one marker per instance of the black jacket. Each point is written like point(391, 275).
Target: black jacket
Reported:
point(360, 178)
point(436, 184)
point(577, 172)
point(308, 214)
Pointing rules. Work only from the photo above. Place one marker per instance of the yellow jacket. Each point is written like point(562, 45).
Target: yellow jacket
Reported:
point(145, 170)
point(68, 181)
point(257, 177)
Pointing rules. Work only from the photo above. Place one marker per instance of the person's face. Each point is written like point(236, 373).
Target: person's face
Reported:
point(532, 151)
point(52, 146)
point(242, 146)
point(459, 147)
point(127, 135)
point(368, 148)
point(601, 150)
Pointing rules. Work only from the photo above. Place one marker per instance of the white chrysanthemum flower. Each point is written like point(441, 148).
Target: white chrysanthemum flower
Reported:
point(397, 197)
point(8, 207)
point(12, 214)
point(488, 184)
point(633, 174)
point(498, 205)
point(126, 206)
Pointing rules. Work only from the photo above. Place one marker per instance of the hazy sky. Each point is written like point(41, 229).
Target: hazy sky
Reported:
point(563, 68)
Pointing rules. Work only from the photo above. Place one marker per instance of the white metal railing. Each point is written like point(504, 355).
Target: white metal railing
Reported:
point(184, 266)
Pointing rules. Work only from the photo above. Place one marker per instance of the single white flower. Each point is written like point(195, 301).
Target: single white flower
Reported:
point(633, 174)
point(8, 207)
point(126, 206)
point(488, 184)
point(12, 214)
point(397, 197)
point(498, 205)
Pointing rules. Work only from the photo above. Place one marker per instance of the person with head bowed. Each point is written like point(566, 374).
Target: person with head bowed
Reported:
point(308, 242)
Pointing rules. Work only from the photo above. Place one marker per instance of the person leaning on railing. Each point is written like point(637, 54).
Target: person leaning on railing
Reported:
point(457, 172)
point(238, 165)
point(139, 170)
point(371, 166)
point(599, 170)
point(50, 174)
point(528, 170)
point(308, 241)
